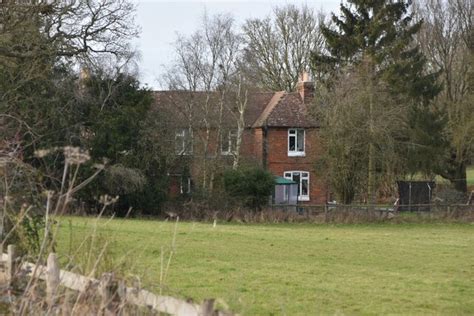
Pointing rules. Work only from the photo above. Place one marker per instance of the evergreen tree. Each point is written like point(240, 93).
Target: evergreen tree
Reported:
point(114, 123)
point(378, 34)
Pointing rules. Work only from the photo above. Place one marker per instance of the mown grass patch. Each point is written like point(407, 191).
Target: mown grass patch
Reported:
point(298, 269)
point(470, 175)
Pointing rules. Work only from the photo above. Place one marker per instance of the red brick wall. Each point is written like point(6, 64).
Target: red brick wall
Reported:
point(278, 161)
point(251, 148)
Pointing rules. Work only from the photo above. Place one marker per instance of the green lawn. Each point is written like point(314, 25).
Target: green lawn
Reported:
point(297, 269)
point(470, 175)
point(439, 179)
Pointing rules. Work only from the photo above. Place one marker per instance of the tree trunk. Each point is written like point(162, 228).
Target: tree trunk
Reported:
point(217, 148)
point(459, 178)
point(241, 107)
point(455, 172)
point(371, 163)
point(206, 142)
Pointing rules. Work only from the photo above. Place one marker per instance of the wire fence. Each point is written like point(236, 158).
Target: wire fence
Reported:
point(317, 208)
point(367, 213)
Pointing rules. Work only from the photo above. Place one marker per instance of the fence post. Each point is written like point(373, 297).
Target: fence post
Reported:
point(326, 212)
point(207, 307)
point(11, 264)
point(52, 278)
point(106, 291)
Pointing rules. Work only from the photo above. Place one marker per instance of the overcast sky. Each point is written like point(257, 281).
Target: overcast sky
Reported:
point(160, 21)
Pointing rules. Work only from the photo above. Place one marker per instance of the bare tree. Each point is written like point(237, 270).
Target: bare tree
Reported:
point(279, 47)
point(241, 102)
point(362, 125)
point(447, 40)
point(206, 65)
point(67, 28)
point(42, 44)
point(40, 39)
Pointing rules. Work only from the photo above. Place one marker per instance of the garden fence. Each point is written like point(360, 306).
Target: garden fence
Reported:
point(107, 288)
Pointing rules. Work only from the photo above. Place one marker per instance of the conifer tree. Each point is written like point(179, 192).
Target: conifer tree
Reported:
point(379, 35)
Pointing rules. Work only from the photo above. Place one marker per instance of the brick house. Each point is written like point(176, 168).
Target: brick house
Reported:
point(279, 135)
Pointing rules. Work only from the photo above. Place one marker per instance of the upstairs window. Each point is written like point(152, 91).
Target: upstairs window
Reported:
point(229, 142)
point(296, 142)
point(184, 141)
point(302, 178)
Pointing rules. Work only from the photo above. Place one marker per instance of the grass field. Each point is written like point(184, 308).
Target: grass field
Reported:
point(296, 269)
point(470, 175)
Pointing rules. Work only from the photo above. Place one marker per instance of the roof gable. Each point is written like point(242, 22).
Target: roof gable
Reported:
point(262, 119)
point(285, 110)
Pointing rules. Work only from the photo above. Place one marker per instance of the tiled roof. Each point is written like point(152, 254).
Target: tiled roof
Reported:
point(290, 111)
point(256, 105)
point(267, 110)
point(273, 109)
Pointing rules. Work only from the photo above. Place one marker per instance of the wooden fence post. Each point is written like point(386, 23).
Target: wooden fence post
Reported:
point(326, 212)
point(10, 266)
point(52, 278)
point(106, 292)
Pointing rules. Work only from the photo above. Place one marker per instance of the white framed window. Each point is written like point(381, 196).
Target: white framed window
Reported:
point(183, 141)
point(302, 178)
point(296, 142)
point(229, 142)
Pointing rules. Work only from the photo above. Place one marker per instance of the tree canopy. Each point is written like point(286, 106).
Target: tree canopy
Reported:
point(375, 39)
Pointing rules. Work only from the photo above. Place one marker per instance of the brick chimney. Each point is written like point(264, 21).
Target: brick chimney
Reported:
point(305, 88)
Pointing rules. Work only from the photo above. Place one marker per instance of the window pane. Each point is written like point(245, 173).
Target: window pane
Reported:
point(189, 185)
point(188, 141)
point(296, 178)
point(225, 145)
point(233, 141)
point(304, 174)
point(300, 140)
point(189, 146)
point(291, 143)
point(185, 185)
point(292, 131)
point(179, 144)
point(304, 187)
point(288, 175)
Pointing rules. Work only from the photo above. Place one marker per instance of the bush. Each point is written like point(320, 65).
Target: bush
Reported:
point(122, 180)
point(446, 194)
point(252, 186)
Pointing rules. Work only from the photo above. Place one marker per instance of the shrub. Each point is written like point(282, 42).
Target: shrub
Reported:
point(122, 180)
point(252, 186)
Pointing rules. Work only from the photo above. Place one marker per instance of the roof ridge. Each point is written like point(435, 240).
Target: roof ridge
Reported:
point(269, 108)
